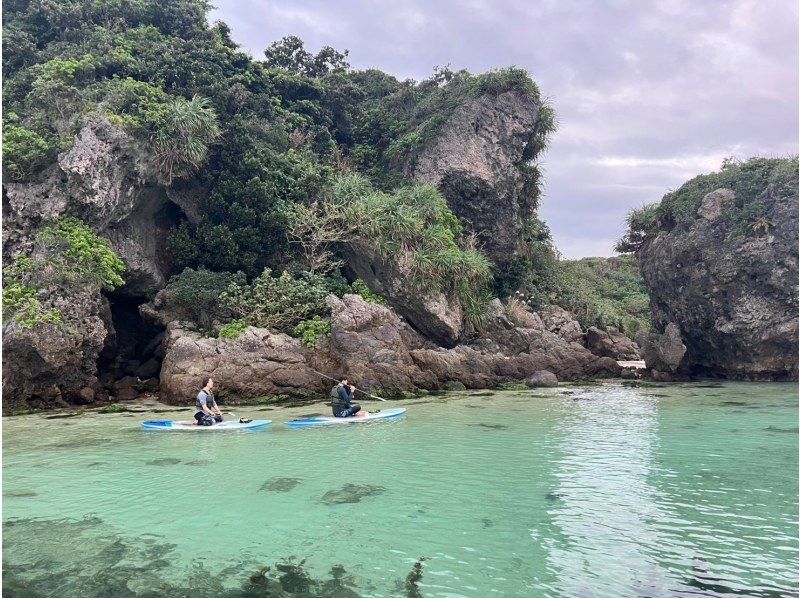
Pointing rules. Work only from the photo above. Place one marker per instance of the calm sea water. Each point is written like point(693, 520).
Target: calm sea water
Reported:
point(679, 490)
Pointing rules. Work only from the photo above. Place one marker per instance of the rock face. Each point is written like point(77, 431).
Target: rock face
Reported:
point(376, 349)
point(53, 365)
point(369, 342)
point(107, 180)
point(433, 314)
point(475, 162)
point(559, 321)
point(732, 293)
point(663, 353)
point(257, 363)
point(611, 343)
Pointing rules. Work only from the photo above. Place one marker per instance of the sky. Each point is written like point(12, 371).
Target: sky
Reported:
point(648, 93)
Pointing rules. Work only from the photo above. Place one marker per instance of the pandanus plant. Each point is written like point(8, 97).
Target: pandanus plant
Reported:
point(186, 130)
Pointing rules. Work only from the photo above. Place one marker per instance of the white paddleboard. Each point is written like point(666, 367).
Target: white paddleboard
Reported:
point(188, 426)
point(355, 419)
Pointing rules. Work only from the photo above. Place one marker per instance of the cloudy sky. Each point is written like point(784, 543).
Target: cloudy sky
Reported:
point(648, 92)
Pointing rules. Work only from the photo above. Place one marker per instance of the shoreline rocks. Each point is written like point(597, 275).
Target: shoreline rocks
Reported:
point(375, 348)
point(729, 289)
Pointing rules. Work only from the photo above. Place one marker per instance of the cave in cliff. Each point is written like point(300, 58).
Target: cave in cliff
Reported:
point(130, 362)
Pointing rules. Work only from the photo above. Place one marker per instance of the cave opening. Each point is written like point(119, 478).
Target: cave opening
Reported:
point(130, 362)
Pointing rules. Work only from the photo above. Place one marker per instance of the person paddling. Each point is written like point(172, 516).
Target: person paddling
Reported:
point(342, 400)
point(206, 410)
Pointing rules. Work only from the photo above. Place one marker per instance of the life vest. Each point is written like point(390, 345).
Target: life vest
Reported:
point(335, 398)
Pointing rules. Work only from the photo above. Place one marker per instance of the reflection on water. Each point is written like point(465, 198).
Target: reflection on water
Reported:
point(606, 501)
point(606, 491)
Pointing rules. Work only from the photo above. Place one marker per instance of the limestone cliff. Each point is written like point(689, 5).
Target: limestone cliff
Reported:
point(478, 161)
point(726, 277)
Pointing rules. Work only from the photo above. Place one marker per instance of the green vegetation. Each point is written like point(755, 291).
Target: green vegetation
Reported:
point(233, 330)
point(361, 288)
point(73, 254)
point(415, 227)
point(114, 408)
point(23, 151)
point(536, 270)
point(280, 302)
point(747, 179)
point(312, 330)
point(83, 255)
point(605, 292)
point(196, 293)
point(184, 133)
point(21, 302)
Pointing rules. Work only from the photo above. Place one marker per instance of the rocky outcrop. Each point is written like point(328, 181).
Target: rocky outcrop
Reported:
point(376, 349)
point(476, 163)
point(542, 379)
point(373, 345)
point(56, 364)
point(611, 343)
point(730, 287)
point(435, 315)
point(663, 353)
point(107, 180)
point(561, 322)
point(257, 363)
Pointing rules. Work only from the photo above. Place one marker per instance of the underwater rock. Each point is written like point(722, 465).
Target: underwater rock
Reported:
point(81, 443)
point(454, 386)
point(19, 494)
point(492, 426)
point(63, 415)
point(413, 579)
point(164, 461)
point(351, 493)
point(279, 485)
point(794, 430)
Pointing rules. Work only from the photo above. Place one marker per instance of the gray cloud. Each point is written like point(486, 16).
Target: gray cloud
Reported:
point(648, 94)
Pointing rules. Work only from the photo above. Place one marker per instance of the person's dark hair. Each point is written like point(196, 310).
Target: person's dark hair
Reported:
point(205, 381)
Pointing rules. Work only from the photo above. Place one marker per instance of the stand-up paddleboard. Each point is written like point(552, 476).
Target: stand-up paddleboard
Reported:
point(309, 422)
point(174, 426)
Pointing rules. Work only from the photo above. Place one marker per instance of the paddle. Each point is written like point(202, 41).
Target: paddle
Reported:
point(357, 389)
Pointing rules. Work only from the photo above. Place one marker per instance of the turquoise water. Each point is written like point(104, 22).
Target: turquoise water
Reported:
point(679, 490)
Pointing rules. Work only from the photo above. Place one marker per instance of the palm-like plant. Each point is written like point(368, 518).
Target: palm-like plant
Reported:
point(186, 130)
